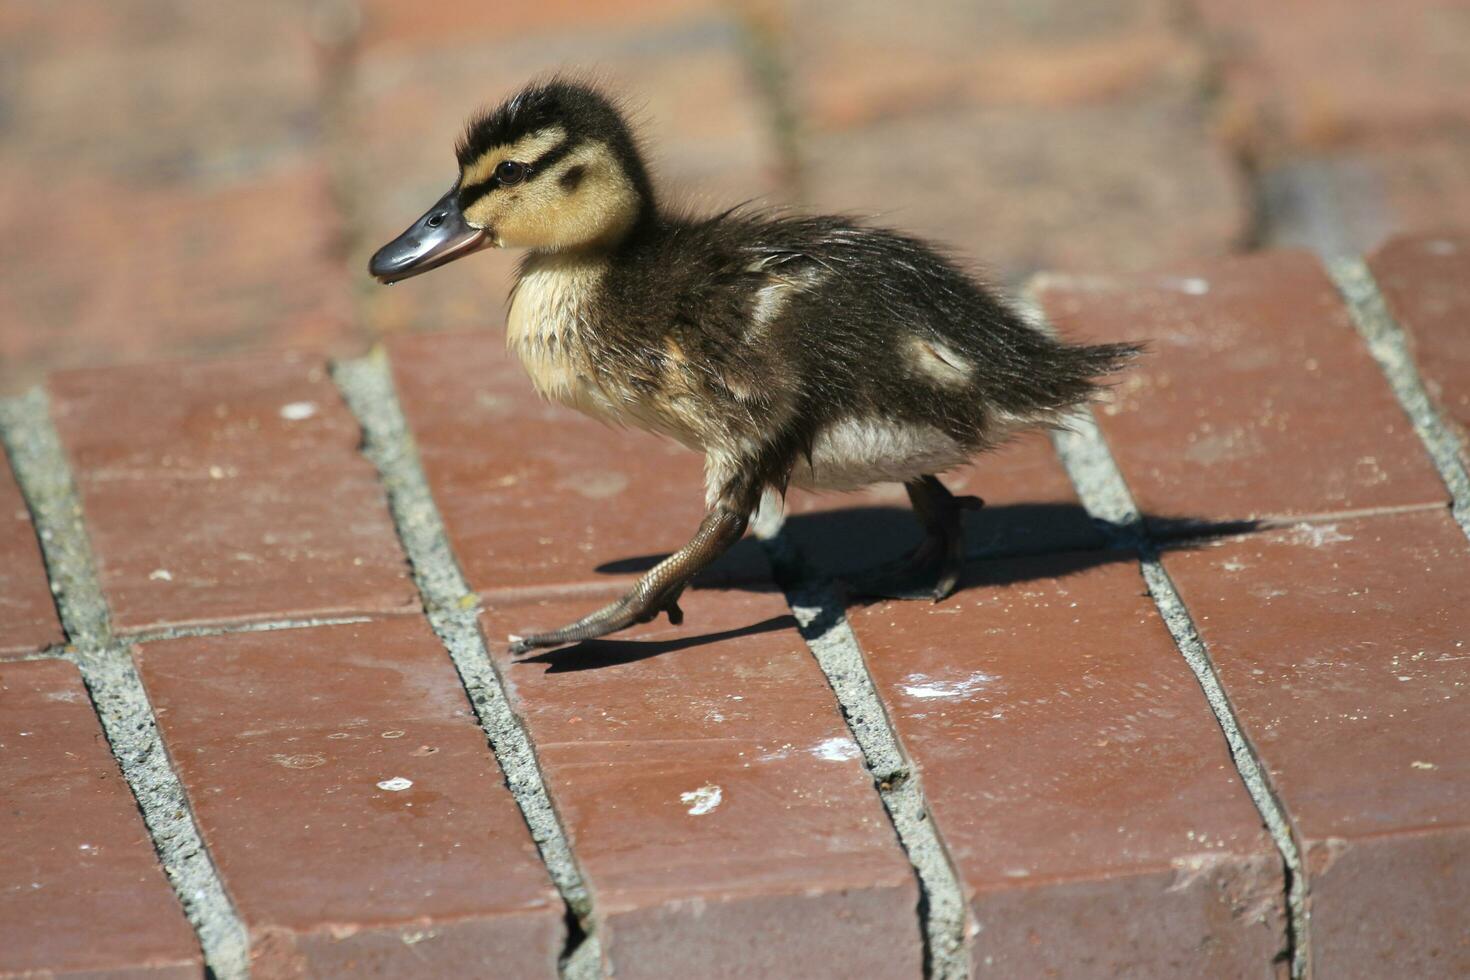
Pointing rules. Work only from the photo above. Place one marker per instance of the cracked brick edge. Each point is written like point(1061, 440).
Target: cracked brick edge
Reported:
point(944, 919)
point(1386, 342)
point(116, 689)
point(1101, 487)
point(453, 612)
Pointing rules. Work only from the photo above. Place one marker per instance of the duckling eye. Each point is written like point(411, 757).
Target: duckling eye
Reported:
point(510, 172)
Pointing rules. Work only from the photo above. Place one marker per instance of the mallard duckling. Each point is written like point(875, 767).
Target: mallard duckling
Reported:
point(790, 350)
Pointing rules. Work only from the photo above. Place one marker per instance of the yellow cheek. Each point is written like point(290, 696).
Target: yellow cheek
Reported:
point(520, 218)
point(485, 213)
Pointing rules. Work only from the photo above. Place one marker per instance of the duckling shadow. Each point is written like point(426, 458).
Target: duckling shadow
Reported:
point(851, 538)
point(1005, 545)
point(597, 654)
point(846, 541)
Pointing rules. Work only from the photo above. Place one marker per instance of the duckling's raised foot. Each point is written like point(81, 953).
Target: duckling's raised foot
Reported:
point(627, 611)
point(932, 570)
point(658, 591)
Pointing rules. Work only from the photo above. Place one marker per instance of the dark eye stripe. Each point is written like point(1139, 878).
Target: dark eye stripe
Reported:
point(471, 193)
point(551, 156)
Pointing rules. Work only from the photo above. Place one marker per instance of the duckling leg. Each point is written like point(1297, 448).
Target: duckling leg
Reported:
point(658, 590)
point(941, 554)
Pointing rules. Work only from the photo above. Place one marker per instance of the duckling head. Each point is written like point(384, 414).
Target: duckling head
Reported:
point(553, 168)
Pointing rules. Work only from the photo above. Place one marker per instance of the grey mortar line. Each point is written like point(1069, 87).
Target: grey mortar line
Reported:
point(226, 629)
point(1385, 340)
point(1101, 487)
point(821, 617)
point(453, 612)
point(117, 692)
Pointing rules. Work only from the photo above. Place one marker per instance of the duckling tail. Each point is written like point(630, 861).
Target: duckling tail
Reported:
point(1077, 371)
point(1100, 360)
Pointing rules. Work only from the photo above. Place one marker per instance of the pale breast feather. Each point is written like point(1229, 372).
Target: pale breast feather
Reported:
point(546, 327)
point(549, 328)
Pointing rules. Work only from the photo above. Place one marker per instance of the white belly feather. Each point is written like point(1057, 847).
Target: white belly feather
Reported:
point(855, 453)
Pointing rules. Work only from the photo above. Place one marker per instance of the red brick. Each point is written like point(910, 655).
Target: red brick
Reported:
point(1391, 905)
point(1255, 399)
point(81, 892)
point(683, 77)
point(1123, 186)
point(175, 270)
point(1332, 71)
point(1077, 775)
point(1343, 649)
point(27, 613)
point(1030, 507)
point(393, 23)
point(284, 741)
point(174, 153)
point(713, 796)
point(534, 494)
point(1423, 184)
point(1425, 280)
point(990, 53)
point(227, 491)
point(179, 92)
point(1348, 200)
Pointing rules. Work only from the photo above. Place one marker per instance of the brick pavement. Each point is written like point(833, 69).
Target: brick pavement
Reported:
point(1198, 708)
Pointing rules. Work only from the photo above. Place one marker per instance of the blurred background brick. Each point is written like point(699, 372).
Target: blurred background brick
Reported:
point(165, 189)
point(195, 178)
point(1017, 189)
point(1351, 114)
point(854, 62)
point(1322, 73)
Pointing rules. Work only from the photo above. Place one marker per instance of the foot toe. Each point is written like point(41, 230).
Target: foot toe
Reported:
point(948, 582)
point(536, 641)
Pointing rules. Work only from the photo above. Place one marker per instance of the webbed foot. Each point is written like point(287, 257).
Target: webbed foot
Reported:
point(932, 570)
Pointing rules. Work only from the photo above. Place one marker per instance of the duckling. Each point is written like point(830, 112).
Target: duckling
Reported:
point(789, 349)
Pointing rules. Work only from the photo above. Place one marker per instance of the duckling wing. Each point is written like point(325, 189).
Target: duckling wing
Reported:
point(888, 324)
